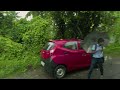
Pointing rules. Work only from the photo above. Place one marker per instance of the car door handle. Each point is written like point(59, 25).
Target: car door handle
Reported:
point(65, 52)
point(84, 54)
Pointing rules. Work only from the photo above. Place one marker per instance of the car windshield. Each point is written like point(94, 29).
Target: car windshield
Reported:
point(49, 46)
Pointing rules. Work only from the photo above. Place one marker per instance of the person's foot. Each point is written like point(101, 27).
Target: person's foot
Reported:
point(97, 69)
point(101, 77)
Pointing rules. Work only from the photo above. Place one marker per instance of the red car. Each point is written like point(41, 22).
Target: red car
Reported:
point(61, 56)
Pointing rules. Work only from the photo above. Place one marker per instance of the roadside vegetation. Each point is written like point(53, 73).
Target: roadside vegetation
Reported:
point(21, 40)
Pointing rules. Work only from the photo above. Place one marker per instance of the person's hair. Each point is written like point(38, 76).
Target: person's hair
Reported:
point(100, 40)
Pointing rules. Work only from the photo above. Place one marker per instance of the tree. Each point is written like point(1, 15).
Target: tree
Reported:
point(39, 32)
point(19, 28)
point(81, 23)
point(77, 24)
point(6, 22)
point(43, 14)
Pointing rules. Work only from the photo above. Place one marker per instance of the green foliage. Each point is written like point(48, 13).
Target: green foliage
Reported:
point(21, 40)
point(115, 30)
point(112, 50)
point(27, 60)
point(14, 58)
point(80, 23)
point(6, 21)
point(43, 14)
point(40, 31)
point(8, 46)
point(19, 28)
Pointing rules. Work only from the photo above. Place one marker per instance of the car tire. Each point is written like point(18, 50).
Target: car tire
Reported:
point(59, 71)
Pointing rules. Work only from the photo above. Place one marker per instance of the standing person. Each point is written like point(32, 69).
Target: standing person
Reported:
point(97, 57)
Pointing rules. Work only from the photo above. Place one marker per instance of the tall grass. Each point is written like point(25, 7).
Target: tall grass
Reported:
point(113, 50)
point(14, 58)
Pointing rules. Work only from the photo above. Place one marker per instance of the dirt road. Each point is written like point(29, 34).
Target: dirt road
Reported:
point(111, 71)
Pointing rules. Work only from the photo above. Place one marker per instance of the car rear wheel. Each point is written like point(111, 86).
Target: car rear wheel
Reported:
point(59, 71)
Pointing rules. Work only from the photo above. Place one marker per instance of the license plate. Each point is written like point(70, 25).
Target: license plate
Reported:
point(42, 63)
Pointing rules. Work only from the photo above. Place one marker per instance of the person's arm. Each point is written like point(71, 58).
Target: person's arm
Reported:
point(95, 49)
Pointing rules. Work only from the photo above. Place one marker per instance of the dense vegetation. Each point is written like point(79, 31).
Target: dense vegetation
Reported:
point(21, 40)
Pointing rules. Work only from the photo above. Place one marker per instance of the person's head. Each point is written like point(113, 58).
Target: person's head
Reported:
point(101, 41)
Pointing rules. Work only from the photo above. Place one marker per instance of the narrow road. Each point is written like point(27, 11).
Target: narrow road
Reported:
point(111, 71)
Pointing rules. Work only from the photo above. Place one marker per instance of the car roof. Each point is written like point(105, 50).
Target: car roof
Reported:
point(64, 40)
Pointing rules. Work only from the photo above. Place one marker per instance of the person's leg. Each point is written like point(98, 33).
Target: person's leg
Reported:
point(100, 63)
point(96, 65)
point(91, 67)
point(103, 59)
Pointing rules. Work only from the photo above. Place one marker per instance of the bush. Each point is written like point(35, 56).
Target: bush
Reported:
point(14, 58)
point(39, 32)
point(113, 49)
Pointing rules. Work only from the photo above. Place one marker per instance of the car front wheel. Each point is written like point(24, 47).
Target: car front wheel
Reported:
point(59, 71)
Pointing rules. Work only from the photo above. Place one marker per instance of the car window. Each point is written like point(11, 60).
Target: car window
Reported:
point(71, 45)
point(49, 46)
point(81, 44)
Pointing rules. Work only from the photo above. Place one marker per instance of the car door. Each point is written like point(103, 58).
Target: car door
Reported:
point(71, 54)
point(84, 58)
